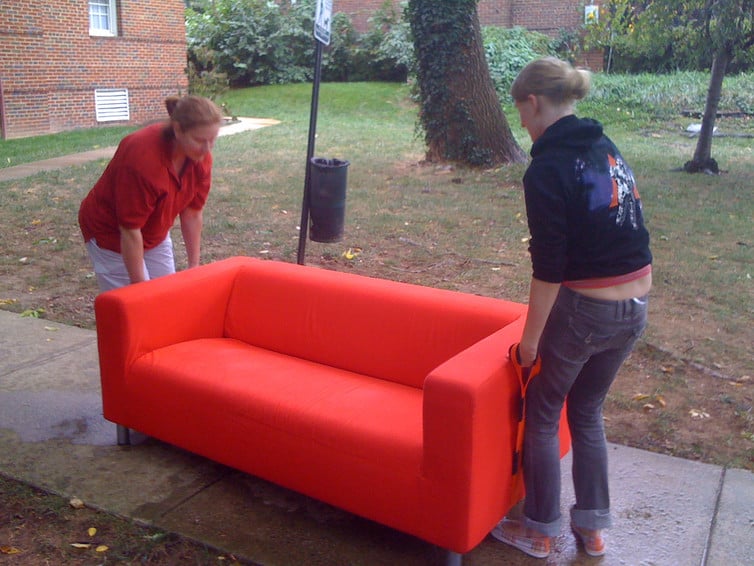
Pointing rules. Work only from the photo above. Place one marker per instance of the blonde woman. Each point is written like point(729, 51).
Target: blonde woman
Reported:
point(157, 174)
point(592, 271)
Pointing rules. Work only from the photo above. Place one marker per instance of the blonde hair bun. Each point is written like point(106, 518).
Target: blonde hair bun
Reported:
point(552, 78)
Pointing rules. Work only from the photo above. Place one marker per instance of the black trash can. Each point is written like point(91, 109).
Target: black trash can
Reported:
point(327, 199)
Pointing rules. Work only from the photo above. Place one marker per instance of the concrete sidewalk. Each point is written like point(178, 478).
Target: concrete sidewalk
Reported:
point(667, 511)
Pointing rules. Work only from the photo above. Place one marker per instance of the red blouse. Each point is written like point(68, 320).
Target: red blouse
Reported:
point(140, 189)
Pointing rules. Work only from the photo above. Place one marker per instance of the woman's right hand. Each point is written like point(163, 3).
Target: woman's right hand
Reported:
point(527, 354)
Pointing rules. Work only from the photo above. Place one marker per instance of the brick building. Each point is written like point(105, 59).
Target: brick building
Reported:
point(68, 64)
point(545, 16)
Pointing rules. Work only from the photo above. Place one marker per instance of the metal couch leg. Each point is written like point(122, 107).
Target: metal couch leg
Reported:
point(453, 558)
point(124, 435)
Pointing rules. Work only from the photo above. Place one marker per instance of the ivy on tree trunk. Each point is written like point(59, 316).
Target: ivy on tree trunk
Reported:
point(460, 113)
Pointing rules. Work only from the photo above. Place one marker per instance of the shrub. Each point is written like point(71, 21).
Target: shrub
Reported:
point(386, 49)
point(255, 42)
point(338, 57)
point(670, 94)
point(252, 41)
point(204, 79)
point(509, 50)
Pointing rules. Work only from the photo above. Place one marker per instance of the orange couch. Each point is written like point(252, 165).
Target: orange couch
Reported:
point(392, 401)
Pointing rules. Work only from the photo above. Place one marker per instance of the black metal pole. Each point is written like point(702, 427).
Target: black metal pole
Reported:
point(310, 153)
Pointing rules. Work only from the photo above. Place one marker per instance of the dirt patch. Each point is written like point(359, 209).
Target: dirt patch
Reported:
point(663, 404)
point(37, 528)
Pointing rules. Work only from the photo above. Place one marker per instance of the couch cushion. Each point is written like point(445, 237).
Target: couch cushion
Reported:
point(394, 331)
point(250, 388)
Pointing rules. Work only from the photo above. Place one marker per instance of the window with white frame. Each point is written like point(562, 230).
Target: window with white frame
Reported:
point(103, 17)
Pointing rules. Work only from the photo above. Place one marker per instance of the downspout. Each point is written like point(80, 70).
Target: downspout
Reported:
point(511, 13)
point(3, 123)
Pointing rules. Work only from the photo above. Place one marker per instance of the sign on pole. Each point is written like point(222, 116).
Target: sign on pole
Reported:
point(323, 21)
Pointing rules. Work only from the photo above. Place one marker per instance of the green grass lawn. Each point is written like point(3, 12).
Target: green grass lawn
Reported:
point(701, 225)
point(25, 150)
point(437, 225)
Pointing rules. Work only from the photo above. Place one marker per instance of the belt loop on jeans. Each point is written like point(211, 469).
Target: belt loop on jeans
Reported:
point(575, 298)
point(620, 310)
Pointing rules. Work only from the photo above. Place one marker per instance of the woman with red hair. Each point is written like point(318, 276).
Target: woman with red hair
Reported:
point(158, 173)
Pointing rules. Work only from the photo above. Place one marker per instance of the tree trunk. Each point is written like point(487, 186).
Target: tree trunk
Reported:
point(702, 161)
point(461, 114)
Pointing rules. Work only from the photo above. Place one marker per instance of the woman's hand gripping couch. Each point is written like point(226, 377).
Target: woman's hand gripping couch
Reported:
point(395, 402)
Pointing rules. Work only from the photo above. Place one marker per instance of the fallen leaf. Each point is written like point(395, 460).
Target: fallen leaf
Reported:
point(351, 253)
point(32, 313)
point(91, 531)
point(102, 548)
point(661, 401)
point(81, 544)
point(76, 503)
point(648, 407)
point(156, 537)
point(640, 397)
point(10, 550)
point(699, 414)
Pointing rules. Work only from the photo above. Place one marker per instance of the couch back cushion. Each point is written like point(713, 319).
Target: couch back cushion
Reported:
point(375, 327)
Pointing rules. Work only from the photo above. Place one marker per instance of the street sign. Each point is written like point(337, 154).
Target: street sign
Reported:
point(322, 21)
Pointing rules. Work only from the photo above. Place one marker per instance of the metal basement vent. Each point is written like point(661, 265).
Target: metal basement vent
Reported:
point(111, 104)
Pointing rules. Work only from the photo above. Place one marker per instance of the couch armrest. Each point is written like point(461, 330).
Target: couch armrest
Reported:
point(137, 319)
point(469, 432)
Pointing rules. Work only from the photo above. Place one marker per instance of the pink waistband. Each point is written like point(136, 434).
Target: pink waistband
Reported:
point(603, 282)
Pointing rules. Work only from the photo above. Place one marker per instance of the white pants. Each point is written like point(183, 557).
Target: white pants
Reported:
point(111, 271)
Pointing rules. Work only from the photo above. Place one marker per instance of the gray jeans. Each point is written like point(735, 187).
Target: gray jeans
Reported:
point(583, 345)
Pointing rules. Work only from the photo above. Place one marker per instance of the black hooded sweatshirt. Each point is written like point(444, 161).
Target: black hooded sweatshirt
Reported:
point(583, 207)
